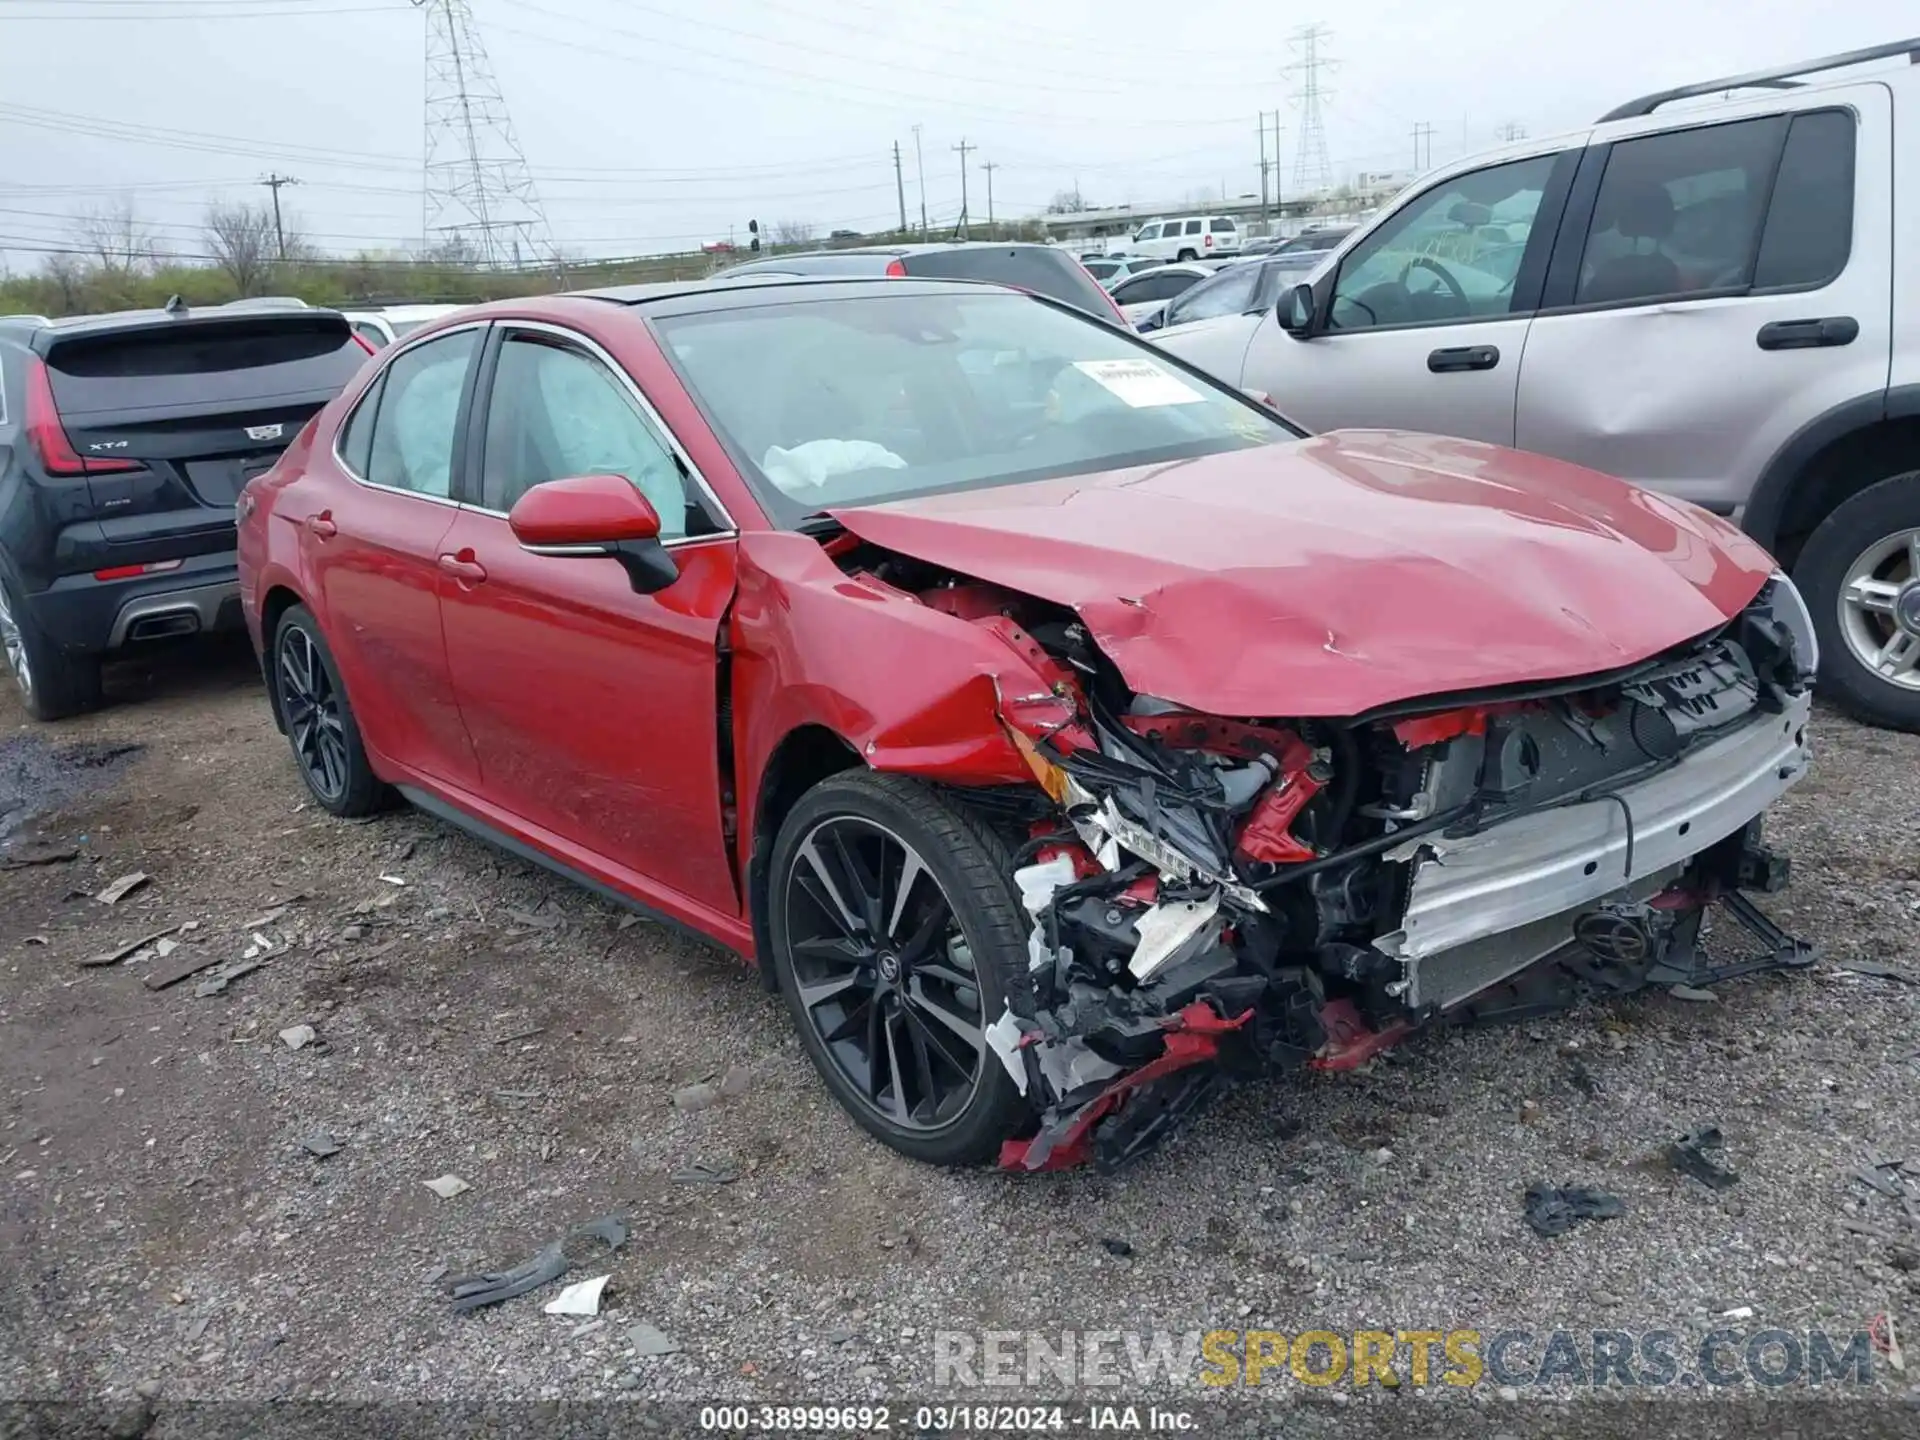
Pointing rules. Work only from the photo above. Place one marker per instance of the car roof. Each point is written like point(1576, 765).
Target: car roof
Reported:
point(917, 248)
point(695, 296)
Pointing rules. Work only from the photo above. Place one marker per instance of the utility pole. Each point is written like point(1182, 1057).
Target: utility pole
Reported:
point(1422, 131)
point(990, 166)
point(273, 183)
point(963, 147)
point(1262, 128)
point(1278, 212)
point(920, 166)
point(900, 185)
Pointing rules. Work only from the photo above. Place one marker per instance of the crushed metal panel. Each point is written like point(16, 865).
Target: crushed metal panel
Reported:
point(1538, 865)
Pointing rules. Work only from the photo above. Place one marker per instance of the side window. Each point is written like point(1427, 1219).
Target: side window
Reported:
point(1194, 227)
point(1147, 232)
point(1450, 254)
point(1809, 230)
point(555, 412)
point(419, 404)
point(1677, 213)
point(1222, 227)
point(1228, 293)
point(356, 436)
point(372, 334)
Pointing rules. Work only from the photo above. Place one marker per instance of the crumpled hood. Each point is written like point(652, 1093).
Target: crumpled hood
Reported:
point(1344, 572)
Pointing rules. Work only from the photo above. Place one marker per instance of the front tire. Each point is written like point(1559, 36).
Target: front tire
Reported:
point(897, 939)
point(1188, 255)
point(52, 683)
point(1860, 574)
point(319, 721)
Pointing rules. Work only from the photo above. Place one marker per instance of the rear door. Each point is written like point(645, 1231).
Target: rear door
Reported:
point(1716, 287)
point(1429, 313)
point(372, 517)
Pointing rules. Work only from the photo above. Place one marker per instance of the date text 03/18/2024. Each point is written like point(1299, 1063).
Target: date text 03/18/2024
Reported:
point(942, 1419)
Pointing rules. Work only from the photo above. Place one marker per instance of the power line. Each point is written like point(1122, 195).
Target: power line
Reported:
point(1311, 167)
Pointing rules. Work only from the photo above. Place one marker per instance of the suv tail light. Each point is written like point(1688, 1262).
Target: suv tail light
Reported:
point(1208, 240)
point(49, 438)
point(897, 268)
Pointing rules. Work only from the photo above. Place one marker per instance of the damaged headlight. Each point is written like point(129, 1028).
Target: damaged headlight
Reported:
point(1781, 602)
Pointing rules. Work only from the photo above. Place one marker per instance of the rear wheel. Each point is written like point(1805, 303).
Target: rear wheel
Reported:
point(897, 940)
point(319, 720)
point(1860, 573)
point(53, 684)
point(1187, 255)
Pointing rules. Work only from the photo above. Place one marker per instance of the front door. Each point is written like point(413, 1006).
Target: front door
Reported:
point(1726, 284)
point(1429, 313)
point(371, 540)
point(593, 710)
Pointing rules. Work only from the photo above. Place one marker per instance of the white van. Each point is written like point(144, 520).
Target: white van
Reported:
point(1188, 237)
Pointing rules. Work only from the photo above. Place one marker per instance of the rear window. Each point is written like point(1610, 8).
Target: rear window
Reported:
point(270, 359)
point(1026, 267)
point(1222, 227)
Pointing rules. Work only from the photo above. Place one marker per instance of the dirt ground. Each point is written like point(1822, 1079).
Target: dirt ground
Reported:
point(162, 1225)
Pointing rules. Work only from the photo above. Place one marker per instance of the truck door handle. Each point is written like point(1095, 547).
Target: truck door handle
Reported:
point(464, 568)
point(1463, 357)
point(322, 525)
point(1808, 334)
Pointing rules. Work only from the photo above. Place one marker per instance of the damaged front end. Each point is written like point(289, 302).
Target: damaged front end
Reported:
point(1215, 898)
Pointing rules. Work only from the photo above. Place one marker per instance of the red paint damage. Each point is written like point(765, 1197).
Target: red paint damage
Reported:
point(1345, 572)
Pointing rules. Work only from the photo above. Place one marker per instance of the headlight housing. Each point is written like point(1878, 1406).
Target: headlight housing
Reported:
point(1782, 603)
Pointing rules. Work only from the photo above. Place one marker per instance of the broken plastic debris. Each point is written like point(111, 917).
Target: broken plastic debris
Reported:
point(320, 1145)
point(1553, 1212)
point(1688, 1156)
point(114, 957)
point(447, 1186)
point(580, 1298)
point(1004, 1036)
point(118, 890)
point(298, 1037)
point(260, 922)
point(707, 1172)
point(1165, 928)
point(1738, 1312)
point(470, 1292)
point(394, 880)
point(1038, 882)
point(646, 1340)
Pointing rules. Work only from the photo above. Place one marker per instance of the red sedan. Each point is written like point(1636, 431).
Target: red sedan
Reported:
point(1063, 732)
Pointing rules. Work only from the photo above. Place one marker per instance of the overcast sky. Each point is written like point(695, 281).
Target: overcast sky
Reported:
point(649, 129)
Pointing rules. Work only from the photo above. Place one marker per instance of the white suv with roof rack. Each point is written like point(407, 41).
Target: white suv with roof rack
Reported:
point(1187, 237)
point(1715, 300)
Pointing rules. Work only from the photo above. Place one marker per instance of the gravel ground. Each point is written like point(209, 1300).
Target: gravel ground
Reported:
point(163, 1226)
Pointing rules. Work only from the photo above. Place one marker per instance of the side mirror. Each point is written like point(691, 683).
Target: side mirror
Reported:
point(1152, 320)
point(596, 515)
point(1295, 311)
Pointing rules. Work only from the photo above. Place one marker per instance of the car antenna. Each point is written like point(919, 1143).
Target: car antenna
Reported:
point(175, 305)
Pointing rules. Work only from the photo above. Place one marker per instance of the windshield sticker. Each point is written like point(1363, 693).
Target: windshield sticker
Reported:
point(1139, 383)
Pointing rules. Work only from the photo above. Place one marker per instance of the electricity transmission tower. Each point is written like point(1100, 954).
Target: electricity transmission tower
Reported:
point(478, 192)
point(1312, 170)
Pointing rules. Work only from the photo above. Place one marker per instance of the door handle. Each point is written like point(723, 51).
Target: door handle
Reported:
point(464, 568)
point(1463, 357)
point(322, 525)
point(1808, 334)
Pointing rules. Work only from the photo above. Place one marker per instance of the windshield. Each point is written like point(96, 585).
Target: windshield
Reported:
point(851, 401)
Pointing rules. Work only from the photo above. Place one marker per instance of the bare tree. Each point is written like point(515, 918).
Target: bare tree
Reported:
point(114, 236)
point(1068, 202)
point(791, 232)
point(243, 242)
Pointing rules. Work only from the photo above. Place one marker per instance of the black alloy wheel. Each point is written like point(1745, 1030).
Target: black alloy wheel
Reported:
point(318, 718)
point(884, 974)
point(311, 706)
point(897, 941)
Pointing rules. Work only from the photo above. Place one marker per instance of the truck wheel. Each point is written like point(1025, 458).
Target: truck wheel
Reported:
point(1860, 574)
point(53, 684)
point(1187, 255)
point(897, 939)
